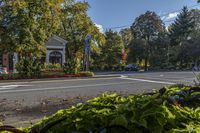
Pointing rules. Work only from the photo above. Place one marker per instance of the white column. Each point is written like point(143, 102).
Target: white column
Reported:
point(63, 56)
point(47, 56)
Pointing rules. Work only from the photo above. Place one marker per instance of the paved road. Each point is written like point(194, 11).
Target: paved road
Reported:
point(25, 102)
point(31, 93)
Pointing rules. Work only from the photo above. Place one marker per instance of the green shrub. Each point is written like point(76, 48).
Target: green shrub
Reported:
point(87, 74)
point(11, 76)
point(28, 68)
point(52, 74)
point(5, 76)
point(51, 67)
point(72, 66)
point(14, 76)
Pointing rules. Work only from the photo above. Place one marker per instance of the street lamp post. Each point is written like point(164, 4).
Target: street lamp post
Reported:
point(86, 53)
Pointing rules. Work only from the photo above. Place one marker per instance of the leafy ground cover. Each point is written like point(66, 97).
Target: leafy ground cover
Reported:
point(173, 109)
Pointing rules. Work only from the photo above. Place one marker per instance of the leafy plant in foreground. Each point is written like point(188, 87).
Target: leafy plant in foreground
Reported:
point(170, 110)
point(156, 112)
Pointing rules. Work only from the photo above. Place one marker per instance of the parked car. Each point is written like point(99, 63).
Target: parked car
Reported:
point(131, 67)
point(3, 70)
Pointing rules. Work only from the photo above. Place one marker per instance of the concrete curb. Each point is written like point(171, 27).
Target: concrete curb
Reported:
point(62, 78)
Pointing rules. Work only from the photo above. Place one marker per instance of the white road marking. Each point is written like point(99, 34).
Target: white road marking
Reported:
point(10, 87)
point(122, 76)
point(64, 87)
point(149, 81)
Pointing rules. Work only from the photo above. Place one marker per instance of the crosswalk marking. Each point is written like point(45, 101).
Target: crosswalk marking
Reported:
point(145, 80)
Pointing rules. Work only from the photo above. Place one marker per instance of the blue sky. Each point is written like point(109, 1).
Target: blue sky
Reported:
point(114, 13)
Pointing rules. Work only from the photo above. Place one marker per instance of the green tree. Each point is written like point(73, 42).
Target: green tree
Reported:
point(28, 24)
point(136, 51)
point(147, 27)
point(25, 27)
point(180, 32)
point(192, 48)
point(112, 50)
point(195, 14)
point(75, 25)
point(159, 57)
point(127, 36)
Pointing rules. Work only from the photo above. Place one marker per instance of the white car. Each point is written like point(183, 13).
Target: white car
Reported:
point(3, 70)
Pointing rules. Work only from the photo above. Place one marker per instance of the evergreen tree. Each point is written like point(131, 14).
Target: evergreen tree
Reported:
point(182, 27)
point(180, 32)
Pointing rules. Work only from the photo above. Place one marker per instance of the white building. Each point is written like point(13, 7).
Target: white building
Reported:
point(56, 48)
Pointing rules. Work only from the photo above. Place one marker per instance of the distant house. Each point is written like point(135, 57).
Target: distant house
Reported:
point(56, 47)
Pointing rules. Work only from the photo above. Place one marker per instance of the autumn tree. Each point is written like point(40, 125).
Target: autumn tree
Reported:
point(25, 27)
point(75, 25)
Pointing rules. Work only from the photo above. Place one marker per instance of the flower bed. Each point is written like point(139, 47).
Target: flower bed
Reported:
point(46, 74)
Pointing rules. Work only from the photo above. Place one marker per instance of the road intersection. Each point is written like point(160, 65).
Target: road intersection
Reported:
point(130, 83)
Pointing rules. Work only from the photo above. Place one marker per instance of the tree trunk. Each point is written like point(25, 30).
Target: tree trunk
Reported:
point(147, 54)
point(146, 64)
point(181, 64)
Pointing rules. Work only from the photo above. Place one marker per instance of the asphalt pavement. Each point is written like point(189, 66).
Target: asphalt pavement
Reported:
point(26, 101)
point(30, 93)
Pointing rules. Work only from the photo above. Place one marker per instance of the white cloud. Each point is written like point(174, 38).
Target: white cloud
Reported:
point(170, 16)
point(100, 27)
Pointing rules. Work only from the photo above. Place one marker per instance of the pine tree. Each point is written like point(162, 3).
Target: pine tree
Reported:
point(180, 32)
point(182, 27)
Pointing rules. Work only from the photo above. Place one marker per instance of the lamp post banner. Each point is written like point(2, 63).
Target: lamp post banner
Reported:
point(87, 44)
point(86, 52)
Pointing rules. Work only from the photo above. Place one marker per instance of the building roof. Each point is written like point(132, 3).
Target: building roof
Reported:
point(56, 41)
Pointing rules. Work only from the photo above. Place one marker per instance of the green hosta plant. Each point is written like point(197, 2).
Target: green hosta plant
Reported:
point(152, 112)
point(161, 111)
